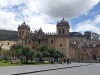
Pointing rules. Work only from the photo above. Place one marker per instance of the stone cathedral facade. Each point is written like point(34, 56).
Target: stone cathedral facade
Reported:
point(60, 40)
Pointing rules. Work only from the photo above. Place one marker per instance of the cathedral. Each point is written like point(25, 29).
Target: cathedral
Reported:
point(72, 47)
point(60, 40)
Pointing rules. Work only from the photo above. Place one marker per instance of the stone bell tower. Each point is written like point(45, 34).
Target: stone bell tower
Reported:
point(63, 28)
point(62, 39)
point(23, 34)
point(23, 30)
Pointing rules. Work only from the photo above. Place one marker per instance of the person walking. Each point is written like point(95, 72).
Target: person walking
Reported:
point(67, 61)
point(62, 61)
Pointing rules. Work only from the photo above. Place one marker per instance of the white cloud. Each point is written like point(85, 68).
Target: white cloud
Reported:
point(40, 13)
point(68, 8)
point(38, 22)
point(89, 25)
point(7, 20)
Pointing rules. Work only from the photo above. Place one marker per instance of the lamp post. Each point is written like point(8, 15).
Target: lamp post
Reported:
point(79, 53)
point(22, 52)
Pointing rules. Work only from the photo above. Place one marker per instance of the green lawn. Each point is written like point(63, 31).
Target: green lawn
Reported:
point(2, 63)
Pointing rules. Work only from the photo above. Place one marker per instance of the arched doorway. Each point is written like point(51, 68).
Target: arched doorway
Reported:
point(94, 56)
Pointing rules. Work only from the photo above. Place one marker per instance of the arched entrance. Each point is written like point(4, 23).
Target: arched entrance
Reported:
point(94, 56)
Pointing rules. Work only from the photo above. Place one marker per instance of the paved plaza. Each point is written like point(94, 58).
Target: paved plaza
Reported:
point(53, 69)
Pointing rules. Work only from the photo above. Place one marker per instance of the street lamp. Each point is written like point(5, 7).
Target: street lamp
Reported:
point(22, 52)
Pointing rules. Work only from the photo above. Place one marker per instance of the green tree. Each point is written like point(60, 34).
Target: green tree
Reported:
point(0, 50)
point(42, 51)
point(55, 53)
point(39, 55)
point(16, 50)
point(28, 53)
point(32, 55)
point(6, 55)
point(58, 54)
point(45, 51)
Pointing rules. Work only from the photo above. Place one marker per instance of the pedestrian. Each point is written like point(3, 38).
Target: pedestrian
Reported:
point(62, 61)
point(92, 61)
point(67, 61)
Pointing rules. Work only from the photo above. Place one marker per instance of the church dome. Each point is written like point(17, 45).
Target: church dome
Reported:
point(23, 26)
point(40, 31)
point(63, 22)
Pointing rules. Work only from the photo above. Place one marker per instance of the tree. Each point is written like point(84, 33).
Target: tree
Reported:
point(39, 55)
point(6, 55)
point(42, 51)
point(32, 55)
point(95, 35)
point(16, 50)
point(28, 53)
point(45, 51)
point(55, 53)
point(0, 50)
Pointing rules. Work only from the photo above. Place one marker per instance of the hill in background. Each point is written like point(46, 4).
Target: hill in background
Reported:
point(8, 35)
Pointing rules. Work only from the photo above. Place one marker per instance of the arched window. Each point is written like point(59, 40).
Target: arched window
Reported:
point(29, 42)
point(60, 45)
point(27, 33)
point(39, 41)
point(51, 41)
point(20, 33)
point(59, 31)
point(63, 31)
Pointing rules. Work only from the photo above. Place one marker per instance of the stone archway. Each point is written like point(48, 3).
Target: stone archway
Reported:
point(94, 56)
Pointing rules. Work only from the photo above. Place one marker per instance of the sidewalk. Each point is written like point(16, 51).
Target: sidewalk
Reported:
point(16, 70)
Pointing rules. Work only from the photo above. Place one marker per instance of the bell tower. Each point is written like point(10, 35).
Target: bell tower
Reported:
point(63, 27)
point(62, 37)
point(23, 30)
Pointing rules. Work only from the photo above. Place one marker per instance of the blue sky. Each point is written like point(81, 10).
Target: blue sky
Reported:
point(91, 14)
point(82, 15)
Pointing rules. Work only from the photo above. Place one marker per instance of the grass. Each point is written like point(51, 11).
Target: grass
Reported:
point(8, 63)
point(36, 63)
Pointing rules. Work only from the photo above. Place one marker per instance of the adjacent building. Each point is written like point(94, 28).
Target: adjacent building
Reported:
point(5, 45)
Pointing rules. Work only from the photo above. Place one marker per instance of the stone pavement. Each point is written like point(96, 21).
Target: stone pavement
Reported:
point(30, 69)
point(83, 70)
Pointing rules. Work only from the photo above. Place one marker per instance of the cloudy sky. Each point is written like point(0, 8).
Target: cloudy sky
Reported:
point(82, 15)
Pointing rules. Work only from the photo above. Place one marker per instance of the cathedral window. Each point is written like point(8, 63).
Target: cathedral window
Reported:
point(60, 45)
point(59, 31)
point(29, 42)
point(51, 41)
point(63, 31)
point(39, 41)
point(84, 50)
point(22, 32)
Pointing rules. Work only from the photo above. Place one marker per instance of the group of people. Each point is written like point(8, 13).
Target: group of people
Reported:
point(62, 61)
point(65, 60)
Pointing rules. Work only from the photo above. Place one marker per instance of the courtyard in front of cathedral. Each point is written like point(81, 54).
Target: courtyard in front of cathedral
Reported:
point(53, 69)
